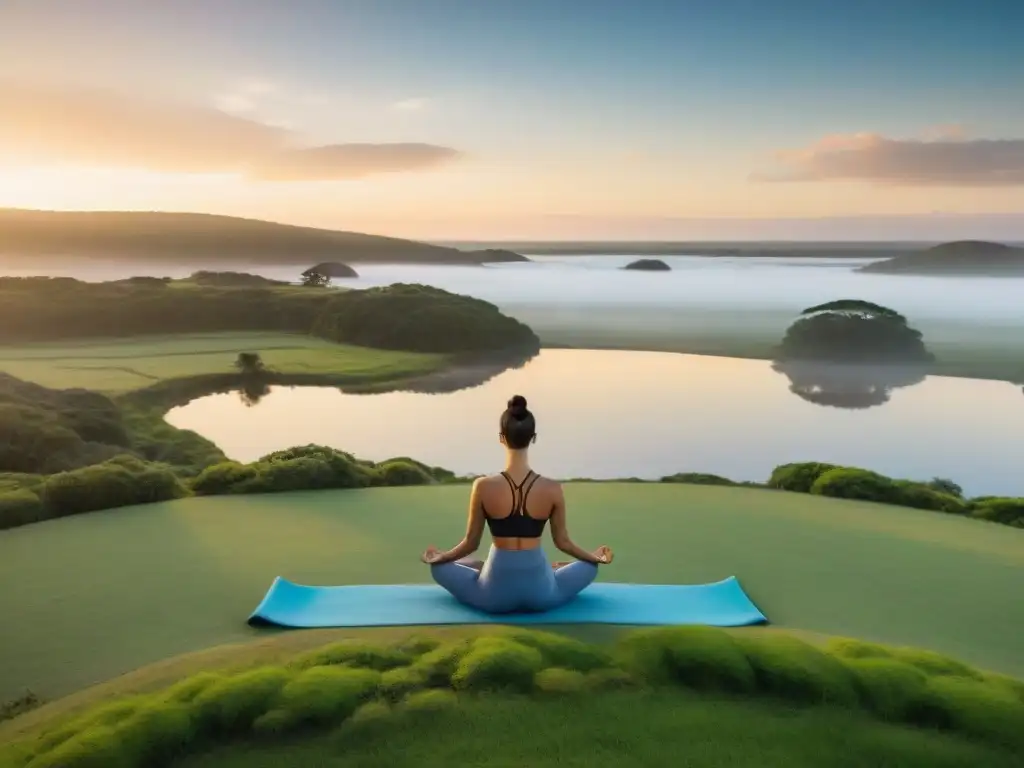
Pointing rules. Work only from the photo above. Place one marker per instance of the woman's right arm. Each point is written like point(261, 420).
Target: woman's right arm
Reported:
point(560, 531)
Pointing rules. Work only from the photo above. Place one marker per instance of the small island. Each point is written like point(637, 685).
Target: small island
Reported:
point(335, 270)
point(649, 265)
point(964, 258)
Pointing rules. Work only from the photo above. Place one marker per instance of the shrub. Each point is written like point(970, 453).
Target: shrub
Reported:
point(308, 467)
point(497, 663)
point(325, 694)
point(1008, 511)
point(920, 496)
point(798, 477)
point(225, 477)
point(20, 507)
point(697, 478)
point(698, 657)
point(792, 669)
point(398, 472)
point(107, 486)
point(945, 485)
point(859, 484)
point(560, 681)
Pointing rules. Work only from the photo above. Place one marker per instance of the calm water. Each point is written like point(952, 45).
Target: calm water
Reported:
point(618, 414)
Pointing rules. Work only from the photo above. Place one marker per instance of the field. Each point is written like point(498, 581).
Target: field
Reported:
point(104, 593)
point(120, 365)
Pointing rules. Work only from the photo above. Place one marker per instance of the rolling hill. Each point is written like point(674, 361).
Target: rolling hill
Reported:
point(964, 258)
point(193, 238)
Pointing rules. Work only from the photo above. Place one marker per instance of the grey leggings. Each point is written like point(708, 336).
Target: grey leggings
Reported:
point(514, 580)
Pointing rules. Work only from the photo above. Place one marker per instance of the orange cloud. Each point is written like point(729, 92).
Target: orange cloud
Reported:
point(47, 125)
point(949, 159)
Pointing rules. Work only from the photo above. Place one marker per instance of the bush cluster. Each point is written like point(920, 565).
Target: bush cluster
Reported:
point(939, 495)
point(121, 481)
point(420, 318)
point(415, 318)
point(312, 467)
point(126, 480)
point(357, 686)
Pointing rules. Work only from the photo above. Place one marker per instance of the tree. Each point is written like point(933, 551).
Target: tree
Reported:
point(311, 278)
point(853, 331)
point(250, 364)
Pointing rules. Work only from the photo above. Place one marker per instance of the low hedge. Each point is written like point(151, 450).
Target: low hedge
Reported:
point(313, 467)
point(126, 480)
point(355, 685)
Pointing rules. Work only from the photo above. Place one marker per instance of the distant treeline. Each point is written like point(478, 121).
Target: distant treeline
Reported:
point(400, 317)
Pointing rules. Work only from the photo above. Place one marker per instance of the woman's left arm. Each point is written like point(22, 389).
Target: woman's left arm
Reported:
point(474, 529)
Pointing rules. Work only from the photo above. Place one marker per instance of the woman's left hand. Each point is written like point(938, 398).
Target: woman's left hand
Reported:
point(431, 556)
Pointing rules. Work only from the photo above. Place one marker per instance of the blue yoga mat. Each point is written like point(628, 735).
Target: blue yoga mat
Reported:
point(723, 604)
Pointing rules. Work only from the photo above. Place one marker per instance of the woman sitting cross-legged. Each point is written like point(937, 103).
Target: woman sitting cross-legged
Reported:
point(515, 504)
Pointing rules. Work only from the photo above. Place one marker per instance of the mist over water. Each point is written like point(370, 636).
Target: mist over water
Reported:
point(593, 293)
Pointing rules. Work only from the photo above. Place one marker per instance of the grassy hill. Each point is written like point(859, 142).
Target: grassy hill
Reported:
point(964, 258)
point(28, 236)
point(101, 594)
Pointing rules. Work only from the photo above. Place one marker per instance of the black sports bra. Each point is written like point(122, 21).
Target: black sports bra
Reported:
point(518, 524)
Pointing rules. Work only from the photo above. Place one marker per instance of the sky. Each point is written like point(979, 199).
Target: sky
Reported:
point(525, 119)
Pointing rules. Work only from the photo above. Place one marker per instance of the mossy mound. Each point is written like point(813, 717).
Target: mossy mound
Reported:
point(356, 686)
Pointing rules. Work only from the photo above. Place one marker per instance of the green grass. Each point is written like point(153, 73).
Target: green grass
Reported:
point(697, 693)
point(626, 728)
point(115, 366)
point(102, 594)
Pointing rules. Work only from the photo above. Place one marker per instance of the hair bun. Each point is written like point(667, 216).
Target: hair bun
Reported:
point(517, 406)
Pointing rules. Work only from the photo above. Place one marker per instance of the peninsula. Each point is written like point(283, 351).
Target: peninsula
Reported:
point(28, 236)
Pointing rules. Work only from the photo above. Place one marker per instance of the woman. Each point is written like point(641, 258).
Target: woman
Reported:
point(515, 505)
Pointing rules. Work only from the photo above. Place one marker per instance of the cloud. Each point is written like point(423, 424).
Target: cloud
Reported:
point(315, 163)
point(946, 158)
point(63, 126)
point(410, 105)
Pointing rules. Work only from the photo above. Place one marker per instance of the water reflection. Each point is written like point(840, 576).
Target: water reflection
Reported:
point(253, 390)
point(643, 414)
point(848, 385)
point(472, 372)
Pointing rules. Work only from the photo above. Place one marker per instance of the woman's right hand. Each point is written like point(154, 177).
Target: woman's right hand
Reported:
point(603, 555)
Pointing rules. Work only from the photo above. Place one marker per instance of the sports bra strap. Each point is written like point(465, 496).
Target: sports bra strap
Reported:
point(518, 494)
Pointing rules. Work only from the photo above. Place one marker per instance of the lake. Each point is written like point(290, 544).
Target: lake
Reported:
point(607, 414)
